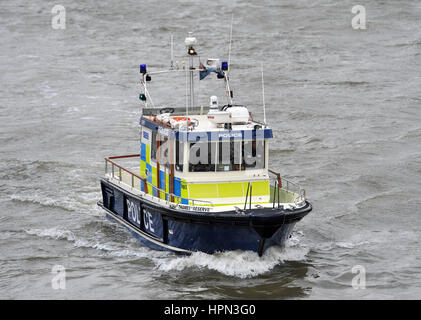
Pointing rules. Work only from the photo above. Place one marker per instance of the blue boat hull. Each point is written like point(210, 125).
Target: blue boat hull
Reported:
point(177, 230)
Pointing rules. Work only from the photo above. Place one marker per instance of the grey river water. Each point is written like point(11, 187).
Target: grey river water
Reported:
point(344, 104)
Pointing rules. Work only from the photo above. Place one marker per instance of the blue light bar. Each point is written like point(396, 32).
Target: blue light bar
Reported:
point(143, 68)
point(224, 65)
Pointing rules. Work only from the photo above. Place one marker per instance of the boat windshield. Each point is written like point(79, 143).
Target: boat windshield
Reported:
point(226, 156)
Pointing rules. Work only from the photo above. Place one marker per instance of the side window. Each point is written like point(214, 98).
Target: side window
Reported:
point(204, 162)
point(179, 155)
point(153, 146)
point(254, 154)
point(229, 156)
point(164, 154)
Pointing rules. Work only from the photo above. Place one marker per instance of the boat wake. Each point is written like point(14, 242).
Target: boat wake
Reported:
point(74, 194)
point(127, 249)
point(238, 263)
point(53, 233)
point(61, 234)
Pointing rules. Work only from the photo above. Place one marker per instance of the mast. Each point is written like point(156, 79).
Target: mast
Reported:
point(191, 52)
point(191, 68)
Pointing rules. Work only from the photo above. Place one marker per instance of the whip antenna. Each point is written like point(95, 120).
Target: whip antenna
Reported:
point(263, 96)
point(172, 51)
point(229, 46)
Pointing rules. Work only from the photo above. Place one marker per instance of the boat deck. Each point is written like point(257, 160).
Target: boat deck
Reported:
point(282, 191)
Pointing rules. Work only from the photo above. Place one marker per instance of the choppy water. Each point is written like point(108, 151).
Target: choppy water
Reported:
point(345, 106)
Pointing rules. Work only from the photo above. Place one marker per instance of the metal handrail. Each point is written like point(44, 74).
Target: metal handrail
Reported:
point(280, 183)
point(285, 184)
point(146, 183)
point(114, 164)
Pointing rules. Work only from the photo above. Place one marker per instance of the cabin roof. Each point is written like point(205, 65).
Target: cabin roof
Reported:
point(207, 130)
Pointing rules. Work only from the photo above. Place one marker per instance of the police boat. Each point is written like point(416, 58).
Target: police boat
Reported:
point(201, 181)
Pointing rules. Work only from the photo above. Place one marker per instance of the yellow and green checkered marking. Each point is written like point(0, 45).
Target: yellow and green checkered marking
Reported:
point(199, 191)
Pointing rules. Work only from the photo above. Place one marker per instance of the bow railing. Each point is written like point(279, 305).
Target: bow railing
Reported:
point(136, 181)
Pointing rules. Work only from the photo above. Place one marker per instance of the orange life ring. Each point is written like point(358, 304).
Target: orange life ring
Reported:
point(182, 119)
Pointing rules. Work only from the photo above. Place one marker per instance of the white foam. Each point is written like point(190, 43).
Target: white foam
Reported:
point(350, 245)
point(44, 200)
point(84, 243)
point(110, 248)
point(53, 233)
point(242, 264)
point(95, 76)
point(327, 246)
point(61, 234)
point(238, 263)
point(85, 202)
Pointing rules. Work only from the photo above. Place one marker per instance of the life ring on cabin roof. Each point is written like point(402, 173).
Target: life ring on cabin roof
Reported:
point(182, 119)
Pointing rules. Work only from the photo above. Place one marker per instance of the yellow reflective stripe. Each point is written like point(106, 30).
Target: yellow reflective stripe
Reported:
point(230, 190)
point(227, 190)
point(164, 187)
point(200, 191)
point(142, 168)
point(260, 188)
point(154, 177)
point(284, 196)
point(148, 154)
point(167, 183)
point(184, 191)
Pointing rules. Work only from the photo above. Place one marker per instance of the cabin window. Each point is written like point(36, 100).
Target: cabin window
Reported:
point(229, 156)
point(253, 154)
point(179, 155)
point(164, 153)
point(153, 146)
point(200, 157)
